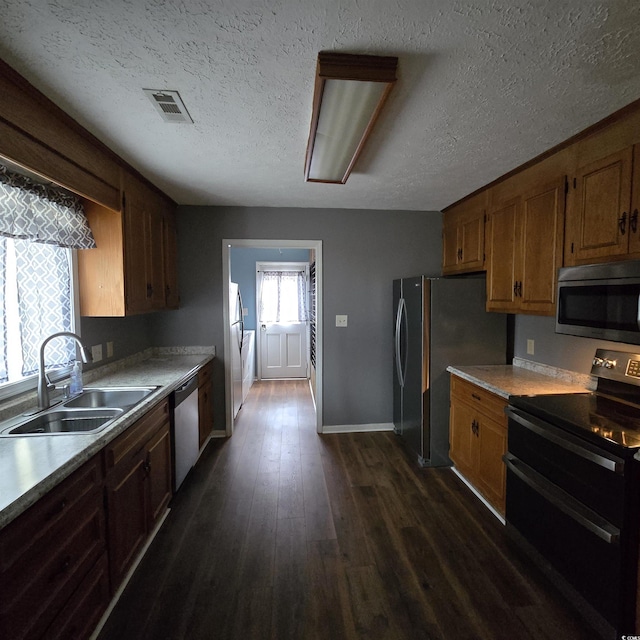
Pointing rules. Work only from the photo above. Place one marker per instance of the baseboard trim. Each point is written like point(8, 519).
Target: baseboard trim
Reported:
point(218, 433)
point(357, 428)
point(479, 495)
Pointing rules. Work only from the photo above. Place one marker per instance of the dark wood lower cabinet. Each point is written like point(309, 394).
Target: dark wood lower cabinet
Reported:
point(159, 474)
point(127, 528)
point(205, 403)
point(138, 487)
point(80, 616)
point(47, 553)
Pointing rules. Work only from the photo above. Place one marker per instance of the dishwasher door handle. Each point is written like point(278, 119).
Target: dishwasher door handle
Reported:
point(182, 392)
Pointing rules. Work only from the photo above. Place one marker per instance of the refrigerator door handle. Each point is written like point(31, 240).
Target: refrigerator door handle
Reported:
point(405, 322)
point(400, 313)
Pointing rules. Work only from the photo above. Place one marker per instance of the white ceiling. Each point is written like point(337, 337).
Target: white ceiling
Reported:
point(483, 87)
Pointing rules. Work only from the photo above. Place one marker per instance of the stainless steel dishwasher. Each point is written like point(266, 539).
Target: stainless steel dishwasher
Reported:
point(185, 429)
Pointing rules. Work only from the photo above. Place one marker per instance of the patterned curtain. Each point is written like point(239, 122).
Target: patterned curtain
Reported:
point(283, 297)
point(44, 292)
point(43, 222)
point(3, 324)
point(41, 213)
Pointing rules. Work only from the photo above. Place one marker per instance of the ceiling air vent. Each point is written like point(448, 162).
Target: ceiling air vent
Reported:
point(169, 105)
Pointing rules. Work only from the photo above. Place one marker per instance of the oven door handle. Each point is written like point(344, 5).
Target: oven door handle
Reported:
point(548, 432)
point(565, 503)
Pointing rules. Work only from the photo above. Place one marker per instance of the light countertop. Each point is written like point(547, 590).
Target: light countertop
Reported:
point(30, 466)
point(508, 380)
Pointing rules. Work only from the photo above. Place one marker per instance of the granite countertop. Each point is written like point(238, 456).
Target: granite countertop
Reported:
point(30, 466)
point(523, 378)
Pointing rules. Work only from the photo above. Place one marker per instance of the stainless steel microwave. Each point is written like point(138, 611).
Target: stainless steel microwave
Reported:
point(600, 301)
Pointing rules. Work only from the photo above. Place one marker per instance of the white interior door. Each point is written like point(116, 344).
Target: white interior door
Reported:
point(283, 350)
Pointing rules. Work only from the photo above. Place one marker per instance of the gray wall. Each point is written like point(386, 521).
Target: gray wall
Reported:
point(129, 335)
point(363, 251)
point(555, 349)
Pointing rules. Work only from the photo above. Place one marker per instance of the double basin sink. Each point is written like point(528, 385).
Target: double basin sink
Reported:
point(91, 411)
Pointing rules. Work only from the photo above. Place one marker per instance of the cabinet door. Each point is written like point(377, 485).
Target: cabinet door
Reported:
point(450, 247)
point(205, 411)
point(127, 516)
point(463, 239)
point(601, 208)
point(471, 240)
point(154, 248)
point(461, 437)
point(503, 240)
point(170, 253)
point(80, 616)
point(159, 470)
point(491, 474)
point(136, 282)
point(542, 220)
point(634, 225)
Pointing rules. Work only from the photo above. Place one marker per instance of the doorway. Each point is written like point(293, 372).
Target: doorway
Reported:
point(283, 320)
point(314, 249)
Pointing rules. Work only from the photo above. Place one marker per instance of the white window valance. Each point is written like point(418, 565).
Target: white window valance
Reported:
point(41, 213)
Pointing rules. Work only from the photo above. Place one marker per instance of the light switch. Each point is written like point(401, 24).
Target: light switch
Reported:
point(531, 347)
point(96, 352)
point(341, 321)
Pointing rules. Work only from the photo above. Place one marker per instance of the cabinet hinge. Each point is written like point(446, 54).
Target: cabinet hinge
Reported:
point(572, 247)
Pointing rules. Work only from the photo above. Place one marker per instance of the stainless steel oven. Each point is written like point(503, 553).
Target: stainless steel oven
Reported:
point(573, 489)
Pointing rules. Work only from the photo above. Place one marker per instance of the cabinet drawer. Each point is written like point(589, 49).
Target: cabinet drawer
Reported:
point(31, 531)
point(80, 616)
point(46, 577)
point(484, 401)
point(131, 442)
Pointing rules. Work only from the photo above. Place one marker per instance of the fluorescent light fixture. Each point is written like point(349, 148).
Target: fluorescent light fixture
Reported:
point(349, 93)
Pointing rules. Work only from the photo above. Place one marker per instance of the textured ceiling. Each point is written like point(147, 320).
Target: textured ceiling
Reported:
point(483, 87)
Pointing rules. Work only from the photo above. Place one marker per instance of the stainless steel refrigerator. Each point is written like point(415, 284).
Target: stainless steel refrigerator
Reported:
point(438, 322)
point(236, 320)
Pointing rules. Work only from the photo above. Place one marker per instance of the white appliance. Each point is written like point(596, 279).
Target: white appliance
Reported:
point(237, 336)
point(185, 429)
point(248, 362)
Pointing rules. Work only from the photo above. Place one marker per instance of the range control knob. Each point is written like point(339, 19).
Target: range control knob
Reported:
point(598, 362)
point(609, 364)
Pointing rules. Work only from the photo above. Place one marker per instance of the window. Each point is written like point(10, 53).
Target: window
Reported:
point(37, 301)
point(39, 225)
point(283, 296)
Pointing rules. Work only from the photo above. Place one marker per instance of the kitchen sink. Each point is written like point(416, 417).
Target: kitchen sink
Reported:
point(119, 397)
point(62, 421)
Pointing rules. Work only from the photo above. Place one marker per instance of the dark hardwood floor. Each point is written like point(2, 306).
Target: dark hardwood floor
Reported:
point(281, 533)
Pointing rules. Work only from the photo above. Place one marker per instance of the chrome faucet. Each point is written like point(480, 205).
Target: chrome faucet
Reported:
point(43, 382)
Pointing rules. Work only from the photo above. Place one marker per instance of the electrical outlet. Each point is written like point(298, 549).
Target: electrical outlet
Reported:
point(531, 347)
point(341, 321)
point(96, 352)
point(109, 349)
